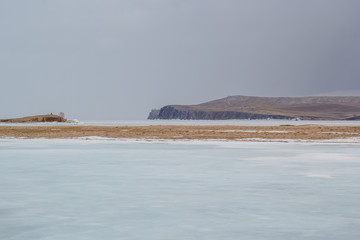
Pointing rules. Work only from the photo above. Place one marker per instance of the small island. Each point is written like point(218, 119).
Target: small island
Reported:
point(35, 119)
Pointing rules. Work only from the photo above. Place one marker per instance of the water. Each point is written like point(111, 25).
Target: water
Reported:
point(97, 189)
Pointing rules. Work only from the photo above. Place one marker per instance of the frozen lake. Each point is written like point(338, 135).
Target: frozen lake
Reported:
point(98, 189)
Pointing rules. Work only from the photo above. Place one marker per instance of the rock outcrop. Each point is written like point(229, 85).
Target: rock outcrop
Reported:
point(171, 112)
point(38, 118)
point(244, 107)
point(154, 114)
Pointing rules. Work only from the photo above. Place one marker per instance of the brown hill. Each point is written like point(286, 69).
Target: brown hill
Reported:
point(38, 118)
point(245, 107)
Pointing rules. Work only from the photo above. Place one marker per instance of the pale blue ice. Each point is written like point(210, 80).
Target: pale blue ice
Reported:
point(77, 189)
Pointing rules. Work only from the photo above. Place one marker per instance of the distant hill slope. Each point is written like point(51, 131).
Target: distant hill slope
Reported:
point(246, 107)
point(38, 118)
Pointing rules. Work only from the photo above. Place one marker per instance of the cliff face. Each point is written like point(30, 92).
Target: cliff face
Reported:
point(170, 112)
point(38, 118)
point(243, 107)
point(154, 114)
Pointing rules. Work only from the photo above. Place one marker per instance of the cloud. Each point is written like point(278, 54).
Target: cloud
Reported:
point(127, 57)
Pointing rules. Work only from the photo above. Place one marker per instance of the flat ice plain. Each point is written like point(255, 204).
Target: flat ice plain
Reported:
point(106, 189)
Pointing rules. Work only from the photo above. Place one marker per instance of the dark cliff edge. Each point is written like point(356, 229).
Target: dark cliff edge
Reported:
point(154, 114)
point(170, 112)
point(243, 107)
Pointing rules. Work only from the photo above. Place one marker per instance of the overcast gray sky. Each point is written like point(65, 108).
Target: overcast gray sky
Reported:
point(113, 59)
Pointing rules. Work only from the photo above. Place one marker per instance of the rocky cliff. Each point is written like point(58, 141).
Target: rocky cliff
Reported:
point(154, 114)
point(244, 107)
point(171, 112)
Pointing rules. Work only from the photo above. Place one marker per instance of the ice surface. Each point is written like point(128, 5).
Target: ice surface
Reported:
point(107, 189)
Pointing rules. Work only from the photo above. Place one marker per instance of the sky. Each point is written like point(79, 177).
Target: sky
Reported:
point(118, 59)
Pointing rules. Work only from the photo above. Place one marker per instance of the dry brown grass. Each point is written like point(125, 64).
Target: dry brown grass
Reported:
point(305, 132)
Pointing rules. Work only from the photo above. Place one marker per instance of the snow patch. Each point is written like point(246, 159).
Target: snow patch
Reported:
point(318, 175)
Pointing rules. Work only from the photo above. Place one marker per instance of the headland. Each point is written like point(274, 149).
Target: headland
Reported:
point(250, 107)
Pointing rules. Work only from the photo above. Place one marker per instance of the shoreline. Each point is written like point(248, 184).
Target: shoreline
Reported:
point(284, 133)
